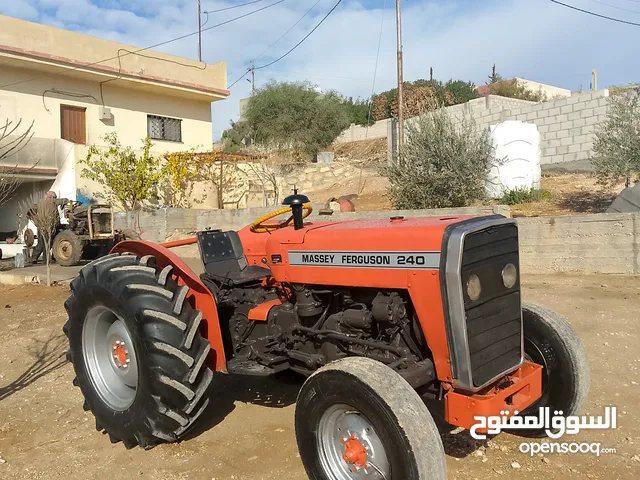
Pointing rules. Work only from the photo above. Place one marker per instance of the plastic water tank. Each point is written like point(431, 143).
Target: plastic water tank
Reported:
point(517, 158)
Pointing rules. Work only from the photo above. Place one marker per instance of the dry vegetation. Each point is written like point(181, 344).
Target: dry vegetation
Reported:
point(565, 193)
point(569, 194)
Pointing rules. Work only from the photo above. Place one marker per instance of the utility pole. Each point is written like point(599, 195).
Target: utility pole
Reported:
point(400, 102)
point(199, 31)
point(253, 77)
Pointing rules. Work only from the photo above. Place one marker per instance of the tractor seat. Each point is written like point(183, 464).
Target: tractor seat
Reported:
point(224, 260)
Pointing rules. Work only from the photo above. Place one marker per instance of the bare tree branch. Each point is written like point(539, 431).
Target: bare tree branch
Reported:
point(10, 179)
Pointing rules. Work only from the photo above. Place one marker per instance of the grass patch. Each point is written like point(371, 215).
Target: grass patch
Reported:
point(524, 195)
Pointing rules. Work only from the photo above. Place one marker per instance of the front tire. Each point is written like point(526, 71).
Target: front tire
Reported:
point(139, 359)
point(357, 418)
point(67, 248)
point(550, 341)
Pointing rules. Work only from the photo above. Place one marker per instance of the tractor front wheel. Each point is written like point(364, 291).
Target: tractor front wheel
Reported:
point(357, 418)
point(550, 341)
point(135, 345)
point(67, 248)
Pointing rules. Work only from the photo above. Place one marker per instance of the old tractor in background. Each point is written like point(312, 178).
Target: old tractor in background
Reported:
point(379, 315)
point(85, 232)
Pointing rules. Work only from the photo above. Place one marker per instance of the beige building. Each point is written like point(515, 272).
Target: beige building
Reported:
point(76, 88)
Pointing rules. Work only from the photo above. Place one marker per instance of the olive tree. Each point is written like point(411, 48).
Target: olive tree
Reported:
point(285, 116)
point(444, 163)
point(616, 148)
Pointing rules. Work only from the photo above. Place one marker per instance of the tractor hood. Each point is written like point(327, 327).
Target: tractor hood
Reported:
point(361, 242)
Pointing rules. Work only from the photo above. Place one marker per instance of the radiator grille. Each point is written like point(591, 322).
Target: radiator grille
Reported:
point(493, 321)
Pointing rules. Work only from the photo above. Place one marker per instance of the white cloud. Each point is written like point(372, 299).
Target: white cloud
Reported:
point(459, 39)
point(19, 8)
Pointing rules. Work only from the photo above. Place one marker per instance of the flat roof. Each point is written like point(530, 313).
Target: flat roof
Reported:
point(55, 51)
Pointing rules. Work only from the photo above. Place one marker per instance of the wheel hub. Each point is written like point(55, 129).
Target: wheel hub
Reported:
point(120, 355)
point(110, 357)
point(355, 453)
point(349, 446)
point(65, 249)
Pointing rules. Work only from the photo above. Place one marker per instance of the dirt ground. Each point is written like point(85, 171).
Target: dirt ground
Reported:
point(248, 431)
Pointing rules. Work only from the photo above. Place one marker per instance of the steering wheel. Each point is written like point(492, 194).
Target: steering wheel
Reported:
point(261, 225)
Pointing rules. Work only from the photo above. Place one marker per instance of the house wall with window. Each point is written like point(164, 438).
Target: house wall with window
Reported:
point(74, 88)
point(69, 108)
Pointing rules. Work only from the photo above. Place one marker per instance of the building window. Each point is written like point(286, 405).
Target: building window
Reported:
point(164, 128)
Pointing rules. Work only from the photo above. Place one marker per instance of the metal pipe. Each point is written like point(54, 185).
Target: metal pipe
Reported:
point(180, 243)
point(345, 338)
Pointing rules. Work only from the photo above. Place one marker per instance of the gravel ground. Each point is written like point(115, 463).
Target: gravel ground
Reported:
point(248, 431)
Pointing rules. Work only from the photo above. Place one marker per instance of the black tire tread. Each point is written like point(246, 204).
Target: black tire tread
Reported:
point(168, 416)
point(411, 413)
point(572, 344)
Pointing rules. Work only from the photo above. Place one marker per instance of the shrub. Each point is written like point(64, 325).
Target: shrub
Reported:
point(444, 163)
point(130, 179)
point(523, 195)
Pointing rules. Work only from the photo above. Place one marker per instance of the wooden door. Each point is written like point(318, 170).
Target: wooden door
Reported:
point(73, 124)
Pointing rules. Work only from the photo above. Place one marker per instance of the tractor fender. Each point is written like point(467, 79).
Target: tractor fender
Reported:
point(200, 297)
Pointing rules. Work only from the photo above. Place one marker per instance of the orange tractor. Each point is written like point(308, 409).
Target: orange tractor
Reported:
point(380, 315)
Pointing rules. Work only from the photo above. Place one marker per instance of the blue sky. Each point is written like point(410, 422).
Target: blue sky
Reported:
point(534, 39)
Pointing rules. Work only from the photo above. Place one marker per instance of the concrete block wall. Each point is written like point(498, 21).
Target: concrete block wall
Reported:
point(567, 125)
point(174, 223)
point(358, 132)
point(598, 243)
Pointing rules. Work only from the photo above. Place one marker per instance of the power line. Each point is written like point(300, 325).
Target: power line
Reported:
point(292, 49)
point(233, 6)
point(303, 39)
point(291, 28)
point(280, 38)
point(182, 37)
point(615, 6)
point(596, 14)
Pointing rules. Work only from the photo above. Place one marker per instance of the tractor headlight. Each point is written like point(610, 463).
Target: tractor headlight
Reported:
point(509, 275)
point(473, 287)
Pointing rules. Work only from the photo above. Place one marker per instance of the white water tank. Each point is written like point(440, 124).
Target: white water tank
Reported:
point(516, 162)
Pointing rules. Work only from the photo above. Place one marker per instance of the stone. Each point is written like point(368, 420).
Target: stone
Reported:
point(515, 465)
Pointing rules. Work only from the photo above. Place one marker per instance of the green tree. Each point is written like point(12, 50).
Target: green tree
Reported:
point(616, 148)
point(235, 138)
point(287, 116)
point(129, 179)
point(461, 91)
point(515, 89)
point(495, 77)
point(443, 163)
point(358, 111)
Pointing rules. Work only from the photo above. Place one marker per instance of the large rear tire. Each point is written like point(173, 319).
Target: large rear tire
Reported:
point(357, 418)
point(138, 356)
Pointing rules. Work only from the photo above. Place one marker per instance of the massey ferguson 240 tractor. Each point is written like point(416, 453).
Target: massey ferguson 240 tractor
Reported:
point(379, 315)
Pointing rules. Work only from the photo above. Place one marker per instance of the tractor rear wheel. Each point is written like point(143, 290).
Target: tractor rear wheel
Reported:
point(138, 356)
point(67, 248)
point(357, 418)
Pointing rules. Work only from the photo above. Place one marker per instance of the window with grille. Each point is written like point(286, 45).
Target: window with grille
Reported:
point(164, 128)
